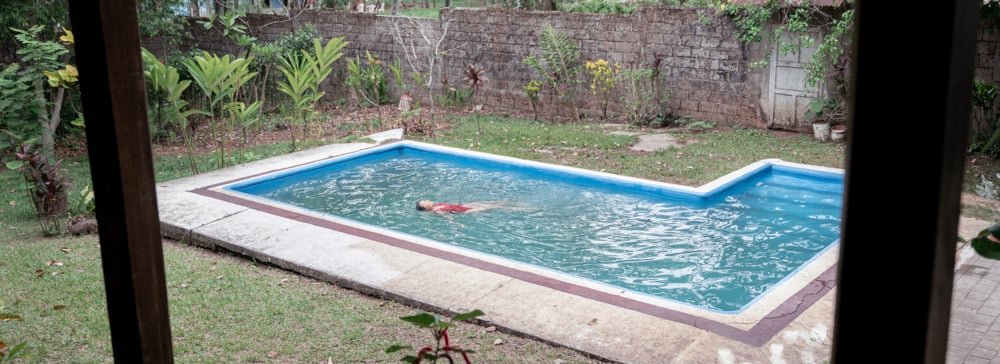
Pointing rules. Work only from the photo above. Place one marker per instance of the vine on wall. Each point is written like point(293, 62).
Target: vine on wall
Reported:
point(775, 21)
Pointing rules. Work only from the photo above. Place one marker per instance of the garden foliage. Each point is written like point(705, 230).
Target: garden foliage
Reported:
point(559, 66)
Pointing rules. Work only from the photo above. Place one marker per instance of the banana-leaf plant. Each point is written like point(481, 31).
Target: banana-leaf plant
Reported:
point(219, 79)
point(297, 85)
point(245, 116)
point(166, 82)
point(155, 72)
point(304, 73)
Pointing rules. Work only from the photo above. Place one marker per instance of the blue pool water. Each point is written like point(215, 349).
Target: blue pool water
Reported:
point(717, 249)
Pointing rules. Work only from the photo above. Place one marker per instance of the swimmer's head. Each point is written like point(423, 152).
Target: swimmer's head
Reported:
point(424, 205)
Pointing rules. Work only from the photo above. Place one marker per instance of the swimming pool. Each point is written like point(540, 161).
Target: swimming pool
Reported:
point(717, 248)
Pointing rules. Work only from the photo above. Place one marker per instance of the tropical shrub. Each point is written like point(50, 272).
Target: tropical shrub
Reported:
point(50, 78)
point(644, 95)
point(45, 185)
point(602, 81)
point(367, 80)
point(559, 65)
point(220, 80)
point(532, 89)
point(166, 91)
point(303, 74)
point(16, 106)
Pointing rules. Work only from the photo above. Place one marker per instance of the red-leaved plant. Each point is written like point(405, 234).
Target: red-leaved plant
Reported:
point(440, 331)
point(45, 185)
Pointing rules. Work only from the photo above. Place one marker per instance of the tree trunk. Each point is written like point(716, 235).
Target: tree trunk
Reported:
point(49, 127)
point(43, 119)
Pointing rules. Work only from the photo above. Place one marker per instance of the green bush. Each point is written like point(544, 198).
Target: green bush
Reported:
point(984, 127)
point(298, 41)
point(598, 7)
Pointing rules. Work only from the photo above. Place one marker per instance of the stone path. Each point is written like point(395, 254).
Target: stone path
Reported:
point(974, 332)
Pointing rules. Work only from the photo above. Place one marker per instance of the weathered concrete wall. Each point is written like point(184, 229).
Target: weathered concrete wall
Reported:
point(706, 67)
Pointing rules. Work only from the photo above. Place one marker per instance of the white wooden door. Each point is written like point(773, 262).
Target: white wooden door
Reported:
point(789, 97)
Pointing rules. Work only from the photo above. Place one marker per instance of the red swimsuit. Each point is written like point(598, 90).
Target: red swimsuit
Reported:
point(455, 209)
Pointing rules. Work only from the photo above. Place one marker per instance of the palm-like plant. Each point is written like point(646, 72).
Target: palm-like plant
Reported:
point(562, 64)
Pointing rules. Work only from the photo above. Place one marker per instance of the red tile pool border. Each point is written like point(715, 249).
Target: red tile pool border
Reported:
point(758, 335)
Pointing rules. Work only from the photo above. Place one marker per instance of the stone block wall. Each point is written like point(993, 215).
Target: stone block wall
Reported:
point(987, 48)
point(706, 67)
point(987, 68)
point(709, 77)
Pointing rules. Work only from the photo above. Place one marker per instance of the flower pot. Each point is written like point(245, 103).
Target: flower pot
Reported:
point(821, 130)
point(404, 102)
point(838, 132)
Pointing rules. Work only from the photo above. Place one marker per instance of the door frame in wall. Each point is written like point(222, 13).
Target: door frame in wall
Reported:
point(787, 96)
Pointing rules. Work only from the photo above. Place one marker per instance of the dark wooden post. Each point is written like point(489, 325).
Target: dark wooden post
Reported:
point(905, 163)
point(114, 102)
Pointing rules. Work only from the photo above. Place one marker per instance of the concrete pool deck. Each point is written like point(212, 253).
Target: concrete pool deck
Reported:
point(794, 328)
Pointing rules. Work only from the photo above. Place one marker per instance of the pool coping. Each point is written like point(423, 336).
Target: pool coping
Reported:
point(221, 211)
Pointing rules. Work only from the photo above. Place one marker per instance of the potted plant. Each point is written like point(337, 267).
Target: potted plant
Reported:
point(838, 132)
point(827, 115)
point(816, 111)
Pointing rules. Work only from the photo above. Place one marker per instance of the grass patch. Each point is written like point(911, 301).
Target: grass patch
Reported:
point(699, 158)
point(223, 309)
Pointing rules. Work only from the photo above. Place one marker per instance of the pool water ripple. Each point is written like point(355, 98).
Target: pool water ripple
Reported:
point(718, 253)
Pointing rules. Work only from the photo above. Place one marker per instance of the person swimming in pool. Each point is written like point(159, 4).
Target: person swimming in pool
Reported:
point(447, 208)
